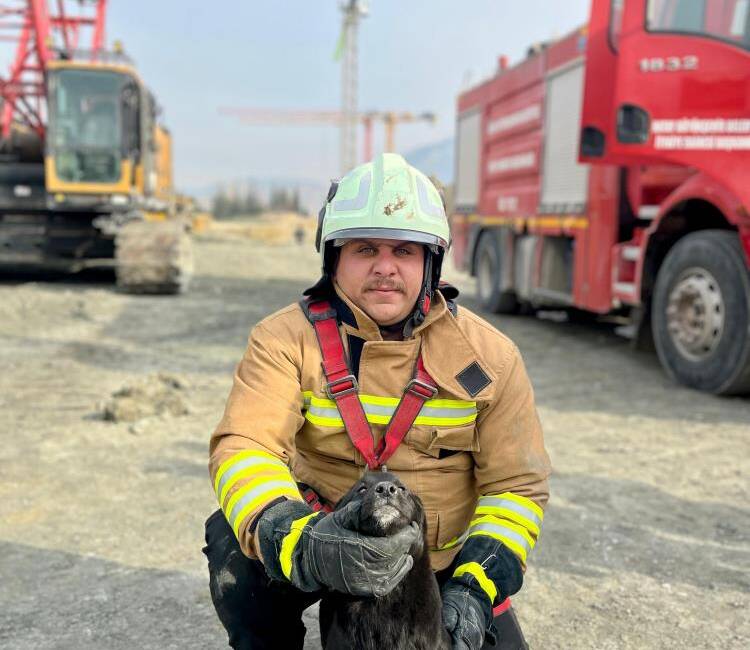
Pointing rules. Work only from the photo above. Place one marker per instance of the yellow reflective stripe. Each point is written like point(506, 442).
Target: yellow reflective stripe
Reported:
point(515, 537)
point(324, 422)
point(256, 484)
point(309, 397)
point(274, 471)
point(522, 501)
point(513, 507)
point(250, 453)
point(504, 523)
point(385, 419)
point(289, 543)
point(265, 498)
point(476, 570)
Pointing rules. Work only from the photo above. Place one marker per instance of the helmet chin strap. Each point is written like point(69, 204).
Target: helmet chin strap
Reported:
point(422, 306)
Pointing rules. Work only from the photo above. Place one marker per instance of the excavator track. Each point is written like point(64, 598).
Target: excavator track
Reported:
point(153, 258)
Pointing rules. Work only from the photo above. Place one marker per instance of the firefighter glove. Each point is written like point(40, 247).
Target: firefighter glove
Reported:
point(315, 551)
point(486, 573)
point(466, 616)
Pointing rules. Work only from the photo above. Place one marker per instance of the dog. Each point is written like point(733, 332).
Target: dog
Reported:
point(410, 616)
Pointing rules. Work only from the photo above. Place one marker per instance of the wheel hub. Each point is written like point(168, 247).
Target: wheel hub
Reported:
point(695, 314)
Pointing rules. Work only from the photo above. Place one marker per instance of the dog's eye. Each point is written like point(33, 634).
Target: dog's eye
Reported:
point(403, 489)
point(362, 488)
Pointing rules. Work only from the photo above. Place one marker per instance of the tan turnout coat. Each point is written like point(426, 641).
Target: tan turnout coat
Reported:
point(463, 447)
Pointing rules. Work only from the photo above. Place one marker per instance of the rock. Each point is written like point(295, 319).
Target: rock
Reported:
point(155, 395)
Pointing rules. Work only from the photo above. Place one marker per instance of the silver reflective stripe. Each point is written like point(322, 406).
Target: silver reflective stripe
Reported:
point(324, 412)
point(431, 412)
point(504, 532)
point(507, 504)
point(254, 494)
point(426, 203)
point(243, 464)
point(359, 201)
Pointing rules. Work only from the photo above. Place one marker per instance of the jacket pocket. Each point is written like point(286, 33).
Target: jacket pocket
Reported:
point(462, 438)
point(433, 529)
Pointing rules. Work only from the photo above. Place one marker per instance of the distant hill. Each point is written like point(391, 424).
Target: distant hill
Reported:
point(434, 160)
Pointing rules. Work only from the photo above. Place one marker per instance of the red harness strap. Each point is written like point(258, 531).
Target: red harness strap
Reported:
point(343, 389)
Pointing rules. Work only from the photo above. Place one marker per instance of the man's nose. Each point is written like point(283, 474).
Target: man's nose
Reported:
point(385, 264)
point(386, 487)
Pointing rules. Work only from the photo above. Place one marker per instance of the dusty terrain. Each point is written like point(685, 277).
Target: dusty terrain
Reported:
point(646, 541)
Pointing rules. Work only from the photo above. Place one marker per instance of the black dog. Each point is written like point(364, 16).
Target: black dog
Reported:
point(410, 616)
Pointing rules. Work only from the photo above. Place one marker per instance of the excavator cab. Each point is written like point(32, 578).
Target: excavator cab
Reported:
point(101, 144)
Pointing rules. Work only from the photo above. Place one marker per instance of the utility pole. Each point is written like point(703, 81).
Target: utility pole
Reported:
point(352, 11)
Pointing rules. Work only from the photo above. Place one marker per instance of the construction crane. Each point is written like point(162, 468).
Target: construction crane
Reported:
point(85, 164)
point(389, 120)
point(352, 12)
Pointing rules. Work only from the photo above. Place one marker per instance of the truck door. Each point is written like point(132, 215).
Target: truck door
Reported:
point(679, 90)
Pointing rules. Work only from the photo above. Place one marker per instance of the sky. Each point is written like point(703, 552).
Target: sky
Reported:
point(198, 56)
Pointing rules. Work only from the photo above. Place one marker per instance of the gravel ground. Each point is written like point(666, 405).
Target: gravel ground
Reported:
point(646, 541)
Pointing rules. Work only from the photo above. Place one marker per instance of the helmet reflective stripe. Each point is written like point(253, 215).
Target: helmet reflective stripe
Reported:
point(359, 201)
point(426, 204)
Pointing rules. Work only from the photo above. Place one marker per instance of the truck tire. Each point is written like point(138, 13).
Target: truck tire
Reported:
point(489, 270)
point(153, 257)
point(701, 313)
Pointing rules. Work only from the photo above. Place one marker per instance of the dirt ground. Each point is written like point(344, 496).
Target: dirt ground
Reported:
point(646, 542)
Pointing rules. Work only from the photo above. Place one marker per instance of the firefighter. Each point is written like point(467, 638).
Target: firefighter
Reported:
point(376, 364)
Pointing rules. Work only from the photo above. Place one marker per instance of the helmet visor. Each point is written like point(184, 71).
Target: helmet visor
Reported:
point(340, 237)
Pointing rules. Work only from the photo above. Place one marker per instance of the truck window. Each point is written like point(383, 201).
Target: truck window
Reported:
point(727, 20)
point(615, 23)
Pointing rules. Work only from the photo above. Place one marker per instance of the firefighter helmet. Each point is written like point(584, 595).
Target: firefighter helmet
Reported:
point(384, 199)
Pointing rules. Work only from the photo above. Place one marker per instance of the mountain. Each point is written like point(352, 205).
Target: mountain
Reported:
point(434, 160)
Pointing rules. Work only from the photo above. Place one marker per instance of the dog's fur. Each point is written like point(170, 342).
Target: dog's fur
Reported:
point(410, 616)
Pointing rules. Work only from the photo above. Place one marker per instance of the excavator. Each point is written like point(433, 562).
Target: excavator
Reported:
point(85, 162)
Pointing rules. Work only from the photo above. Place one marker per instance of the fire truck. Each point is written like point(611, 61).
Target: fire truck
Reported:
point(609, 173)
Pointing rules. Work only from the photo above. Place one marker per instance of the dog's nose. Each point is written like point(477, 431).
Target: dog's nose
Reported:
point(386, 487)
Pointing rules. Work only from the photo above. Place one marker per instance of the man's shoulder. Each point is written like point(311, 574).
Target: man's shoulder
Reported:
point(288, 321)
point(477, 328)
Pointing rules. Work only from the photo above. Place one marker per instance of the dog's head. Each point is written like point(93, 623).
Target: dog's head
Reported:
point(387, 505)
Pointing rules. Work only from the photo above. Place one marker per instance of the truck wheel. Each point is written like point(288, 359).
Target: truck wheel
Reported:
point(489, 277)
point(153, 257)
point(701, 313)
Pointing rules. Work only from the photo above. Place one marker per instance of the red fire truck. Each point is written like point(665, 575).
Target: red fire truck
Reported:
point(609, 173)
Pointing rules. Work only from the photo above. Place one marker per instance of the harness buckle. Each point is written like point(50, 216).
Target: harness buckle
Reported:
point(421, 389)
point(331, 386)
point(323, 315)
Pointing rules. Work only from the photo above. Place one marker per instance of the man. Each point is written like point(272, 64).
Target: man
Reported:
point(432, 389)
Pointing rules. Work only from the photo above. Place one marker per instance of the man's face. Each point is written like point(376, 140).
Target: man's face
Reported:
point(382, 277)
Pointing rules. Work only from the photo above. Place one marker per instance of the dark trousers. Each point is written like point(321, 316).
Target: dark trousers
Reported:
point(263, 614)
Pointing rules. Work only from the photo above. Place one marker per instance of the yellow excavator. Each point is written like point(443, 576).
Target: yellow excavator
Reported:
point(87, 181)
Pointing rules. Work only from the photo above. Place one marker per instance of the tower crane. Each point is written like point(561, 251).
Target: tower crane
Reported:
point(389, 119)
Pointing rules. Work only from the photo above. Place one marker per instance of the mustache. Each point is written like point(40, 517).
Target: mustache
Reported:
point(392, 285)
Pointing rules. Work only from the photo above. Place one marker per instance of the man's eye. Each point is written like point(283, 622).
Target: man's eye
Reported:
point(366, 249)
point(403, 251)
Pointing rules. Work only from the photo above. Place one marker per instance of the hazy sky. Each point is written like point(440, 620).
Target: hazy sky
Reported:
point(198, 56)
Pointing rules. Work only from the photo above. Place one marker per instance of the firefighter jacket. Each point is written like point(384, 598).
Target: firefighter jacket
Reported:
point(475, 454)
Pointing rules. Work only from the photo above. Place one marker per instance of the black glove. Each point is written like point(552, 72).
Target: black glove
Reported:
point(466, 615)
point(315, 551)
point(486, 573)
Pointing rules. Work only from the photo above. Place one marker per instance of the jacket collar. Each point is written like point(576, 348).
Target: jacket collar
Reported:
point(358, 323)
point(446, 351)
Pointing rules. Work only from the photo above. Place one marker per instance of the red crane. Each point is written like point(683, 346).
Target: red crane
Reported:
point(42, 34)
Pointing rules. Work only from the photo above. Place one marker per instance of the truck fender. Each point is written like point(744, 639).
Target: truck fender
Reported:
point(700, 187)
